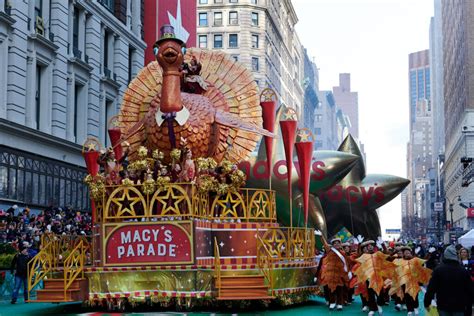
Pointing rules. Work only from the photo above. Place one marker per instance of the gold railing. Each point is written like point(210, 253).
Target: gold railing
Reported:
point(289, 244)
point(183, 200)
point(217, 267)
point(265, 262)
point(49, 259)
point(74, 265)
point(40, 266)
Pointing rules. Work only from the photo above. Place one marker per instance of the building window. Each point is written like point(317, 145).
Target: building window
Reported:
point(202, 19)
point(218, 41)
point(109, 4)
point(131, 58)
point(75, 31)
point(202, 41)
point(233, 1)
point(217, 1)
point(254, 41)
point(254, 2)
point(233, 41)
point(233, 18)
point(318, 144)
point(255, 66)
point(319, 117)
point(202, 1)
point(39, 72)
point(106, 54)
point(77, 91)
point(317, 131)
point(217, 18)
point(109, 112)
point(235, 57)
point(38, 8)
point(41, 182)
point(254, 18)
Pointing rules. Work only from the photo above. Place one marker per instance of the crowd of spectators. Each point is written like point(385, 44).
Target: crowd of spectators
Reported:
point(23, 227)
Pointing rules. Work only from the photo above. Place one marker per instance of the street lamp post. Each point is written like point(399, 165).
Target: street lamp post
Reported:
point(451, 209)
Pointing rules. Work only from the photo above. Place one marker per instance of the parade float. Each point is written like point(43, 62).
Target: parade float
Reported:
point(183, 214)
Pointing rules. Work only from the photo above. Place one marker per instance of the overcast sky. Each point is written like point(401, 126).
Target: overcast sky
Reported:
point(371, 40)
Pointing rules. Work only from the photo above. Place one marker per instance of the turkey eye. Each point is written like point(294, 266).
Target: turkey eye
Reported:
point(155, 50)
point(183, 50)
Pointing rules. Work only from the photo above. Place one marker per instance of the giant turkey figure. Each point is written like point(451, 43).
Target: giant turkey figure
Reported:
point(223, 122)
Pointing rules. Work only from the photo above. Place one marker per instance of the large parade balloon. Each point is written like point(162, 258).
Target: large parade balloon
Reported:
point(353, 202)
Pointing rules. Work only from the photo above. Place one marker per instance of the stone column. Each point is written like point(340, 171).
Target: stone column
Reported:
point(30, 106)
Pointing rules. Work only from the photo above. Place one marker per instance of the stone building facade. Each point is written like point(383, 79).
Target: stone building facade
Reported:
point(65, 66)
point(261, 35)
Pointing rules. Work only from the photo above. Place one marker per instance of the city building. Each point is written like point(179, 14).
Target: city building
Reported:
point(260, 34)
point(326, 123)
point(437, 106)
point(348, 101)
point(458, 80)
point(420, 151)
point(181, 14)
point(311, 88)
point(65, 66)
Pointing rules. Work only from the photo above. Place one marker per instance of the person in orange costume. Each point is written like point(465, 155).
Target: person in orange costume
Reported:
point(334, 273)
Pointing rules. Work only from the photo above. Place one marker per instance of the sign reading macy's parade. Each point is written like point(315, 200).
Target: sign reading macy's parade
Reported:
point(137, 243)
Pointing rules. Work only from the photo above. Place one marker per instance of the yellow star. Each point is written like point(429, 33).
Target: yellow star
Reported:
point(230, 201)
point(289, 115)
point(170, 196)
point(115, 123)
point(126, 203)
point(91, 146)
point(261, 204)
point(304, 136)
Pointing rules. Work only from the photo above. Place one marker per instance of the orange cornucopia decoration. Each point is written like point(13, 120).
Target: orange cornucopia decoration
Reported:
point(409, 273)
point(374, 268)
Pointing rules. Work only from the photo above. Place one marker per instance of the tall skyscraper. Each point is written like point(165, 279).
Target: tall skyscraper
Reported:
point(260, 34)
point(348, 101)
point(419, 150)
point(65, 66)
point(437, 105)
point(458, 61)
point(419, 80)
point(311, 101)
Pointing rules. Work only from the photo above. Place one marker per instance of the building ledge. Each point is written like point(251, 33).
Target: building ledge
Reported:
point(37, 136)
point(43, 41)
point(6, 19)
point(80, 63)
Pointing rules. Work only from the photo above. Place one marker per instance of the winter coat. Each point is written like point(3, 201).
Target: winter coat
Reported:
point(453, 288)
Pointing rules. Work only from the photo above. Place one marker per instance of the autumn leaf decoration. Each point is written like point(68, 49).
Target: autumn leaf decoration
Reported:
point(410, 273)
point(333, 274)
point(374, 268)
point(396, 287)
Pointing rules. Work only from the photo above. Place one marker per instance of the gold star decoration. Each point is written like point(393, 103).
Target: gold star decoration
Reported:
point(170, 201)
point(126, 203)
point(259, 205)
point(230, 205)
point(289, 114)
point(304, 135)
point(91, 147)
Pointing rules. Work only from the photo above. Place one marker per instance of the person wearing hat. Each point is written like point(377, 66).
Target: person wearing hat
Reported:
point(334, 273)
point(19, 267)
point(451, 284)
point(370, 261)
point(409, 274)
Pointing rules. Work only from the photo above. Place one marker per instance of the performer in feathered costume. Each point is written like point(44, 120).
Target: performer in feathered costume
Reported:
point(409, 274)
point(334, 273)
point(374, 269)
